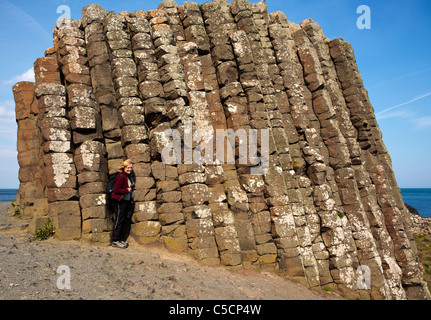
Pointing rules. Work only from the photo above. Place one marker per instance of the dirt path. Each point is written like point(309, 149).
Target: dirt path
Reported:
point(28, 270)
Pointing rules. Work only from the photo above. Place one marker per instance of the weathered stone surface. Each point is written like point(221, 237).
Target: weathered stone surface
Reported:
point(147, 229)
point(66, 218)
point(124, 86)
point(90, 156)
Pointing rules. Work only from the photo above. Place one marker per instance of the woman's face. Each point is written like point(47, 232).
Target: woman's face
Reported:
point(128, 169)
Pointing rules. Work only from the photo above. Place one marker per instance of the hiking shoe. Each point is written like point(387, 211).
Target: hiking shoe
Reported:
point(119, 244)
point(124, 243)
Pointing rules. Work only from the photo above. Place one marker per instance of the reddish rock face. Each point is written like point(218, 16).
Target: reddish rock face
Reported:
point(133, 85)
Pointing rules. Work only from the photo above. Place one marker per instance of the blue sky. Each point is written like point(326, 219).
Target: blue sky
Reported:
point(394, 58)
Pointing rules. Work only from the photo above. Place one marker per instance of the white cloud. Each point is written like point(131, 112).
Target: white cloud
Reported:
point(399, 78)
point(8, 153)
point(24, 19)
point(379, 115)
point(26, 76)
point(8, 145)
point(7, 109)
point(423, 122)
point(396, 113)
point(7, 122)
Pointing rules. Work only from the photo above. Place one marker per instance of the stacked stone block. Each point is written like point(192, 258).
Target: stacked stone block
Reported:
point(134, 138)
point(290, 157)
point(256, 119)
point(141, 109)
point(221, 176)
point(356, 100)
point(102, 83)
point(59, 167)
point(117, 86)
point(197, 65)
point(171, 9)
point(31, 194)
point(365, 187)
point(349, 190)
point(262, 95)
point(312, 147)
point(86, 127)
point(173, 96)
point(241, 245)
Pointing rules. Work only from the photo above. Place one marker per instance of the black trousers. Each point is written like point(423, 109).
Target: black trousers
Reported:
point(121, 221)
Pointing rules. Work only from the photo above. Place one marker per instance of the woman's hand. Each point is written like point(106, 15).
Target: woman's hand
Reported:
point(129, 189)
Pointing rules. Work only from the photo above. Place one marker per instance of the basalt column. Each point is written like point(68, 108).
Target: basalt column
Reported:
point(222, 179)
point(337, 149)
point(254, 143)
point(136, 109)
point(196, 63)
point(234, 102)
point(102, 81)
point(286, 139)
point(59, 168)
point(381, 173)
point(31, 195)
point(366, 189)
point(284, 196)
point(162, 84)
point(334, 230)
point(85, 121)
point(297, 183)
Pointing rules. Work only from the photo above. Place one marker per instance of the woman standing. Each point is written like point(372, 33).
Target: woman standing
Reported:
point(122, 199)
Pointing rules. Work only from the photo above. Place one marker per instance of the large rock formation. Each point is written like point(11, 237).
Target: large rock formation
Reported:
point(114, 85)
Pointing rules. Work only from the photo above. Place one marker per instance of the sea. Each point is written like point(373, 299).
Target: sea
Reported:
point(7, 195)
point(418, 198)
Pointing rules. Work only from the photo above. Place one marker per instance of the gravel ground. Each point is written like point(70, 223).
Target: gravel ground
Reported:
point(28, 270)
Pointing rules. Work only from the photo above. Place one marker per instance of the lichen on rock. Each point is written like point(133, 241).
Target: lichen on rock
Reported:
point(129, 85)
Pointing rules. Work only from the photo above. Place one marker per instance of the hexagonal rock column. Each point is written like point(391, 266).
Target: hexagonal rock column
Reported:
point(131, 84)
point(59, 170)
point(31, 195)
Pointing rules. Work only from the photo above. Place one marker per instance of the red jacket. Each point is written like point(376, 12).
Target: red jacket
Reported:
point(121, 185)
